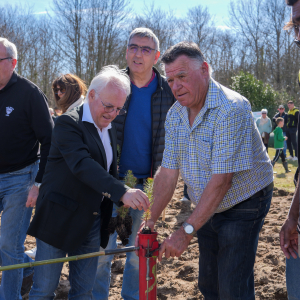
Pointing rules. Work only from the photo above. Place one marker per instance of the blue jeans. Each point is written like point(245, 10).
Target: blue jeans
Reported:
point(81, 275)
point(227, 246)
point(130, 287)
point(14, 188)
point(293, 278)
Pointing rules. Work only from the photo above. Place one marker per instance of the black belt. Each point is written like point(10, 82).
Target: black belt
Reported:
point(138, 180)
point(263, 191)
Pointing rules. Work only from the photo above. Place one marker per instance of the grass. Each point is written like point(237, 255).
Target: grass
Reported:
point(284, 180)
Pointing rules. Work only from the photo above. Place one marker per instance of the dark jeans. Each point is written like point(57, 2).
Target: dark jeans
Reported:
point(227, 245)
point(292, 141)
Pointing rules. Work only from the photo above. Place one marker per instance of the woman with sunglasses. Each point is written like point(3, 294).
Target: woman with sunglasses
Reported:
point(69, 91)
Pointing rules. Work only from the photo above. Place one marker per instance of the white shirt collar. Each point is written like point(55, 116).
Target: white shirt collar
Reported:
point(87, 117)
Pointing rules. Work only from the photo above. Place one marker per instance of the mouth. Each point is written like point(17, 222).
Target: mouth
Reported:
point(107, 118)
point(181, 95)
point(137, 63)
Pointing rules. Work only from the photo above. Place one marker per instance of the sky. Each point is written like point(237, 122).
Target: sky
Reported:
point(218, 8)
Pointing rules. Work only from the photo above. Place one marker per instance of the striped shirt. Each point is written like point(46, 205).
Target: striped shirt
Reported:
point(223, 139)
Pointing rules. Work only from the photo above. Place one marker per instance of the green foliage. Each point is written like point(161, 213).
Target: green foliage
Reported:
point(259, 94)
point(130, 181)
point(148, 188)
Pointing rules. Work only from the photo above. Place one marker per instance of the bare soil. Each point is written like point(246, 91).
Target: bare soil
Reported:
point(177, 278)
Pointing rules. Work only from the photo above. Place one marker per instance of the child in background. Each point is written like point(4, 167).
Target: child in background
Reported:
point(279, 144)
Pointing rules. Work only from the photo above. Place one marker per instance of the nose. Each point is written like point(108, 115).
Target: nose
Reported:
point(176, 85)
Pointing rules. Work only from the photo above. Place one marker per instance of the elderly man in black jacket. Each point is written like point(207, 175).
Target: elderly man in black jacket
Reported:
point(80, 186)
point(141, 137)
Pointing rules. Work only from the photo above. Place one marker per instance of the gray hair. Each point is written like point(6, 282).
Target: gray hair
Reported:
point(188, 49)
point(11, 49)
point(144, 32)
point(110, 75)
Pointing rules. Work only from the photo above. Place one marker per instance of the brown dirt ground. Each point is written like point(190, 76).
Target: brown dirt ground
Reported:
point(177, 278)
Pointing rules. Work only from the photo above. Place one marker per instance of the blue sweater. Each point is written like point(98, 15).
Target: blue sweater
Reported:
point(136, 151)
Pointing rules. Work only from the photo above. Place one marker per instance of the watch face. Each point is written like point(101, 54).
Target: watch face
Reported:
point(189, 229)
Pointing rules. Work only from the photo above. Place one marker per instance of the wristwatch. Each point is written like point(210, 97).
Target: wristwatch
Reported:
point(37, 184)
point(188, 228)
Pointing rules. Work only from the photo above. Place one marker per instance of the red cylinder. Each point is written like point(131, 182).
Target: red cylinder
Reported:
point(148, 253)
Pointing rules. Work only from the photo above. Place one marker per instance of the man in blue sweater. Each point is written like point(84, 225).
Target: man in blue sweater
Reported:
point(141, 137)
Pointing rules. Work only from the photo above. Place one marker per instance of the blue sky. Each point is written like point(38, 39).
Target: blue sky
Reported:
point(218, 8)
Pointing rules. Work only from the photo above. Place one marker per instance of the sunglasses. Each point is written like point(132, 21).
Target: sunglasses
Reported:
point(61, 90)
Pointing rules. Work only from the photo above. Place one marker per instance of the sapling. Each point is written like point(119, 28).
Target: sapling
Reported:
point(122, 223)
point(148, 188)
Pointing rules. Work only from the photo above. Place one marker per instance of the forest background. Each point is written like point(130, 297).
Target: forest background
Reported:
point(251, 54)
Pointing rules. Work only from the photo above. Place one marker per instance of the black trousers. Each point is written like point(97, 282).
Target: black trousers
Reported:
point(291, 141)
point(279, 152)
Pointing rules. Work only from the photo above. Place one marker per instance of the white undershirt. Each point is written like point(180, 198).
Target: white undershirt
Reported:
point(104, 135)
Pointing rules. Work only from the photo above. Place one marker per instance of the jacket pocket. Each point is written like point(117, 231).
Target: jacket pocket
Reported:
point(62, 200)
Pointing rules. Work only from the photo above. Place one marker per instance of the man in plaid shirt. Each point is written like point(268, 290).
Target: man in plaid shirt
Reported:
point(211, 137)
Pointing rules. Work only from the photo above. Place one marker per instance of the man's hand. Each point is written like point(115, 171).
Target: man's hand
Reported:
point(135, 199)
point(32, 196)
point(289, 238)
point(175, 244)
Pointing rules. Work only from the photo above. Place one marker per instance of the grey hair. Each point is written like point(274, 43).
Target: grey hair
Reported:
point(110, 75)
point(144, 32)
point(188, 49)
point(11, 49)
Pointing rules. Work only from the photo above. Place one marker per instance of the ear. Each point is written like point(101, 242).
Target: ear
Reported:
point(205, 68)
point(14, 63)
point(91, 96)
point(157, 55)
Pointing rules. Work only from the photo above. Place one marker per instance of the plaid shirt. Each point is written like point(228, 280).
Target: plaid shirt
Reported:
point(223, 139)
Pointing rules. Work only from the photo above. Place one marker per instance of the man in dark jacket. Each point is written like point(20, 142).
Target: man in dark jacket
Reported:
point(292, 124)
point(81, 171)
point(283, 115)
point(140, 136)
point(25, 123)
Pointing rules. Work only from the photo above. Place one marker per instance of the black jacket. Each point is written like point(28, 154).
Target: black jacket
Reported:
point(74, 184)
point(25, 123)
point(292, 118)
point(161, 101)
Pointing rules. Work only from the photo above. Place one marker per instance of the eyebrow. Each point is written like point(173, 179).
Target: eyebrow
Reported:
point(140, 46)
point(109, 104)
point(178, 74)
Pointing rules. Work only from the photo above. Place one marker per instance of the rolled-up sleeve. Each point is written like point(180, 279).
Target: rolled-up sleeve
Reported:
point(232, 141)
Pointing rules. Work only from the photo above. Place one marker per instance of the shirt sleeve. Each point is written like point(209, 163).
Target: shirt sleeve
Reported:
point(171, 155)
point(42, 125)
point(232, 141)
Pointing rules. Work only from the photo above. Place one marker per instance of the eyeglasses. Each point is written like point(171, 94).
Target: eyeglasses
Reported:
point(132, 48)
point(56, 90)
point(110, 108)
point(281, 108)
point(5, 58)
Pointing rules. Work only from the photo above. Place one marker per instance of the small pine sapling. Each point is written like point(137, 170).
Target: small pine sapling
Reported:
point(148, 188)
point(122, 223)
